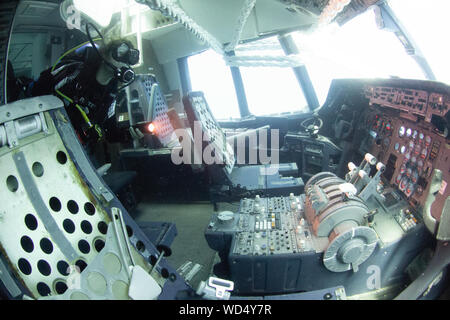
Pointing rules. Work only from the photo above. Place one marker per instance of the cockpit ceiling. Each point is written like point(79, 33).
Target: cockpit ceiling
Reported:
point(221, 19)
point(38, 15)
point(218, 17)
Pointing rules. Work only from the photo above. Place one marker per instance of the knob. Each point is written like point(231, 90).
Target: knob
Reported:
point(225, 217)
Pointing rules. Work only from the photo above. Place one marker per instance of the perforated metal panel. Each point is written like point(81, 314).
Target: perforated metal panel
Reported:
point(141, 100)
point(54, 217)
point(106, 277)
point(211, 130)
point(49, 217)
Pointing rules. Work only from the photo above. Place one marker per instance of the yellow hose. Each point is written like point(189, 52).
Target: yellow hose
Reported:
point(83, 114)
point(70, 51)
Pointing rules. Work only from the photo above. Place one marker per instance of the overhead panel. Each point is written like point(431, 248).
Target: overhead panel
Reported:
point(38, 15)
point(273, 16)
point(221, 19)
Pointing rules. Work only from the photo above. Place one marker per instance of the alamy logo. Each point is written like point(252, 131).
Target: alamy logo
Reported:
point(220, 150)
point(374, 280)
point(73, 20)
point(74, 278)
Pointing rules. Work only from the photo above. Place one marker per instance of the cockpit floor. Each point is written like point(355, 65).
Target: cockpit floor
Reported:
point(190, 219)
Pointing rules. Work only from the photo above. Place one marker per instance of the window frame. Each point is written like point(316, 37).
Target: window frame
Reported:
point(300, 73)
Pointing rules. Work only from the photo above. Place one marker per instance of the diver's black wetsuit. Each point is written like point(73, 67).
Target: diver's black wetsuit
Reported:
point(75, 77)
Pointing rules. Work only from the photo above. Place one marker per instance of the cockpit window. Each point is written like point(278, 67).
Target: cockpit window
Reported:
point(358, 49)
point(268, 90)
point(209, 74)
point(427, 22)
point(271, 90)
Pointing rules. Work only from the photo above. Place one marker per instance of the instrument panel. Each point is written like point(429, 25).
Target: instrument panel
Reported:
point(405, 139)
point(417, 102)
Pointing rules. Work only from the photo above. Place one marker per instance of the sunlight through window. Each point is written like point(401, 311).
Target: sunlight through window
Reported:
point(210, 74)
point(427, 22)
point(358, 49)
point(271, 90)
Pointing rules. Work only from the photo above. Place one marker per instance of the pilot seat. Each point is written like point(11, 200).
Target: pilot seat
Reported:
point(228, 181)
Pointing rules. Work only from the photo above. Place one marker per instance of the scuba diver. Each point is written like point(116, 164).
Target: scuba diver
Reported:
point(88, 78)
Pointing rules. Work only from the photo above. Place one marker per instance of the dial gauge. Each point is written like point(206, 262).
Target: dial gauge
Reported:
point(397, 146)
point(408, 172)
point(420, 163)
point(408, 132)
point(410, 189)
point(388, 126)
point(421, 136)
point(403, 183)
point(402, 169)
point(417, 149)
point(402, 149)
point(414, 176)
point(424, 153)
point(414, 136)
point(401, 131)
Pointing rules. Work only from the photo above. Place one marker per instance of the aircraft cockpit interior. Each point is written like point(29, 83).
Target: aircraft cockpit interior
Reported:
point(224, 150)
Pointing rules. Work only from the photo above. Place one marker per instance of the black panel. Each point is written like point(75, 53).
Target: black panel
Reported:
point(390, 167)
point(7, 11)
